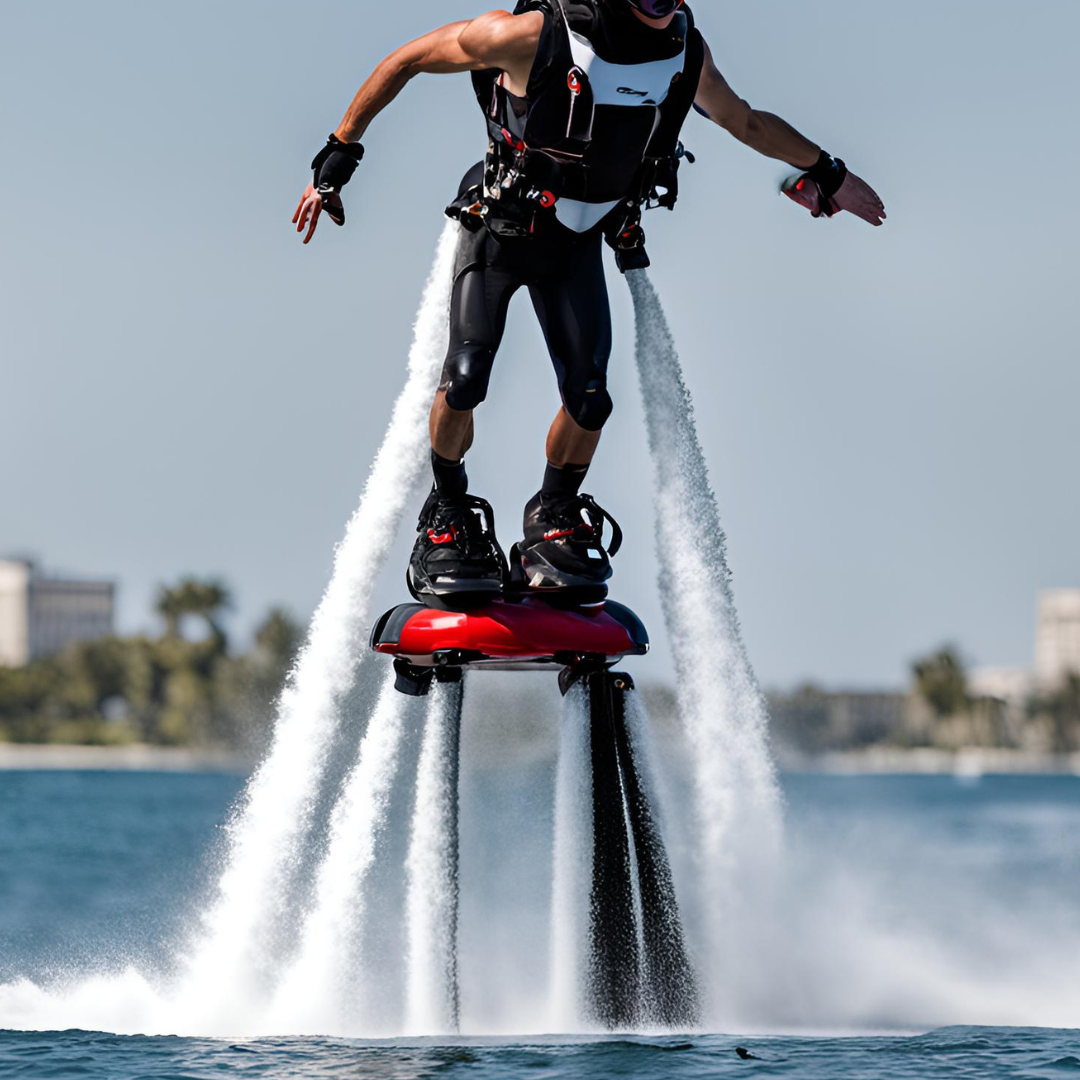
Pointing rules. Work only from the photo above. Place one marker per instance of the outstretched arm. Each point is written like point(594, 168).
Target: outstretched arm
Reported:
point(495, 40)
point(776, 138)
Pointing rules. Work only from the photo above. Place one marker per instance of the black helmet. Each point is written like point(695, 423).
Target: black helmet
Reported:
point(656, 9)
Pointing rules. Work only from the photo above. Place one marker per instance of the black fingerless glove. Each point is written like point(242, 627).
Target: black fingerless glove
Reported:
point(829, 174)
point(335, 163)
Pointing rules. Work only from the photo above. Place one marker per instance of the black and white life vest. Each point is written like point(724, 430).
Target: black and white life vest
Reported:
point(599, 124)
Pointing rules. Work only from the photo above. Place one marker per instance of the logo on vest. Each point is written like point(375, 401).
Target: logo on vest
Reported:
point(633, 93)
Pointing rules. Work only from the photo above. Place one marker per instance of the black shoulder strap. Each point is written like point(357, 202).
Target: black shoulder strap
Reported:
point(484, 82)
point(680, 99)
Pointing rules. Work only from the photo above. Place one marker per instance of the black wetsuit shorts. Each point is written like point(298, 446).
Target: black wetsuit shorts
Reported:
point(564, 273)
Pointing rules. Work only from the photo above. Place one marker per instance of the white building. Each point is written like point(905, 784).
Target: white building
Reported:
point(39, 616)
point(1057, 638)
point(1009, 684)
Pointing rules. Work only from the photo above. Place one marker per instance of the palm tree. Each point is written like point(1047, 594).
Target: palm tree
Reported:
point(169, 606)
point(203, 599)
point(942, 682)
point(277, 640)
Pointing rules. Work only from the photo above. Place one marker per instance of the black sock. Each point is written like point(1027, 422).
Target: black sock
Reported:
point(564, 481)
point(450, 477)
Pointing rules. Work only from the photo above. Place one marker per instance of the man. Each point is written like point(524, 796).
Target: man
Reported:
point(584, 102)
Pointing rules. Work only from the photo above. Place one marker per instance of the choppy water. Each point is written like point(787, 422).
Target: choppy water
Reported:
point(918, 902)
point(952, 1052)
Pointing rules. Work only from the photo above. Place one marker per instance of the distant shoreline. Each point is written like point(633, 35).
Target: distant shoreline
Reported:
point(874, 761)
point(32, 757)
point(926, 761)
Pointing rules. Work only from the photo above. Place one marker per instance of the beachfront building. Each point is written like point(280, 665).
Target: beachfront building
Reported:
point(39, 616)
point(1013, 685)
point(1057, 639)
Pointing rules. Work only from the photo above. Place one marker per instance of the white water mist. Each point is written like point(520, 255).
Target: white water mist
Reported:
point(573, 861)
point(326, 989)
point(737, 796)
point(432, 1006)
point(232, 965)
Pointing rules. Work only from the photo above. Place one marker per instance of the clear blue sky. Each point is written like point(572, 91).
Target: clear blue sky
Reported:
point(892, 417)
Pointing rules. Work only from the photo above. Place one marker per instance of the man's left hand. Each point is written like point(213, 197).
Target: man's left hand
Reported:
point(855, 196)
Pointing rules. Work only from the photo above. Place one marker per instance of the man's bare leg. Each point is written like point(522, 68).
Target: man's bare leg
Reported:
point(452, 430)
point(569, 445)
point(570, 450)
point(451, 436)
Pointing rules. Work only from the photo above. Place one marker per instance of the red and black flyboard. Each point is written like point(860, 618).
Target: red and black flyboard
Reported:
point(639, 972)
point(511, 633)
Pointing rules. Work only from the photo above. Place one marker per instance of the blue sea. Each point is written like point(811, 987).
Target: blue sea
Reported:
point(968, 906)
point(979, 1053)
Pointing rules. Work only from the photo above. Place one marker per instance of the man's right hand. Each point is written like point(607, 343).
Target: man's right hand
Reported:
point(312, 205)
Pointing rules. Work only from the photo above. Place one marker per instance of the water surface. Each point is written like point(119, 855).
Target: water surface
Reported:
point(926, 925)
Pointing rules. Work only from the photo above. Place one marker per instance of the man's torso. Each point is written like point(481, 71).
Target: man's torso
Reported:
point(626, 70)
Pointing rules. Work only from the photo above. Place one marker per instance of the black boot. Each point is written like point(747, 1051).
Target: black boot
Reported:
point(456, 558)
point(563, 551)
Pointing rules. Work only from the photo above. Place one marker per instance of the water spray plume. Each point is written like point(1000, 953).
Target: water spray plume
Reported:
point(324, 990)
point(572, 865)
point(229, 963)
point(738, 802)
point(432, 1006)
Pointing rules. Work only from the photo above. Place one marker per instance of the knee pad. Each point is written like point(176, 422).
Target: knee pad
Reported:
point(589, 406)
point(465, 377)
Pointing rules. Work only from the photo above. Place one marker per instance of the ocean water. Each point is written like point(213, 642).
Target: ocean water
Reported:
point(950, 1052)
point(926, 926)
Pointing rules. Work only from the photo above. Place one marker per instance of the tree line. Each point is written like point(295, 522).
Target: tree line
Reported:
point(939, 711)
point(184, 687)
point(941, 681)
